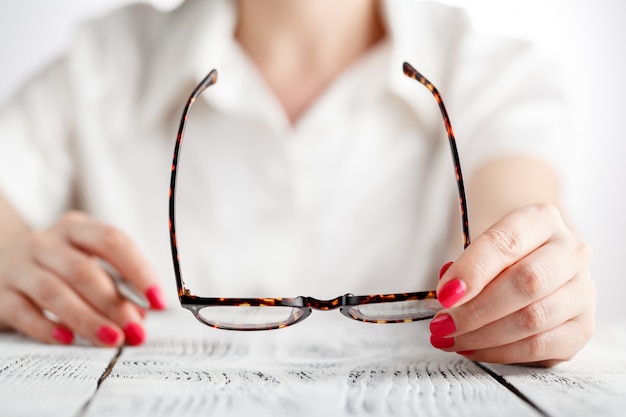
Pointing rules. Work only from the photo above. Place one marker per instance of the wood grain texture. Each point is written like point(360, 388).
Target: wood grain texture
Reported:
point(47, 380)
point(593, 384)
point(332, 367)
point(327, 365)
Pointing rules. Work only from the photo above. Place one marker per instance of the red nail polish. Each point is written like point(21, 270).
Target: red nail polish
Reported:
point(155, 298)
point(442, 326)
point(441, 342)
point(134, 334)
point(451, 292)
point(466, 352)
point(63, 335)
point(444, 268)
point(108, 335)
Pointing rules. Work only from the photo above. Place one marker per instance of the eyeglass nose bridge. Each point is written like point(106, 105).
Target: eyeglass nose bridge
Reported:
point(325, 305)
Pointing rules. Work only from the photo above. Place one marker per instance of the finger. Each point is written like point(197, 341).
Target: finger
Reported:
point(50, 293)
point(124, 289)
point(84, 275)
point(26, 318)
point(536, 276)
point(548, 348)
point(538, 317)
point(513, 237)
point(116, 248)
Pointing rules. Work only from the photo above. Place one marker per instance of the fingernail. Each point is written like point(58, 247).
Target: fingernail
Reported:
point(451, 292)
point(134, 334)
point(155, 298)
point(442, 342)
point(108, 335)
point(444, 268)
point(466, 352)
point(442, 325)
point(63, 335)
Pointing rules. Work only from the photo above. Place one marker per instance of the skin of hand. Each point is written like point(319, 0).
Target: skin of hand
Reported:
point(522, 291)
point(52, 286)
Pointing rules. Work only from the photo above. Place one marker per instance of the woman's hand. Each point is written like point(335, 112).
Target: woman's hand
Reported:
point(52, 286)
point(520, 293)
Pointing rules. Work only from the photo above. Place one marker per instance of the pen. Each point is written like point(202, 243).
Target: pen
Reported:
point(123, 288)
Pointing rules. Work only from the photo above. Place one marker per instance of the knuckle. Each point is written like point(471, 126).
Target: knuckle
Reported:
point(505, 241)
point(537, 346)
point(35, 242)
point(534, 317)
point(12, 309)
point(584, 250)
point(499, 354)
point(81, 270)
point(588, 328)
point(530, 280)
point(84, 324)
point(475, 313)
point(113, 239)
point(548, 209)
point(45, 290)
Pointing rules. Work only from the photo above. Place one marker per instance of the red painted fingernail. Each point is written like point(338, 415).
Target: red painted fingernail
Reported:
point(444, 268)
point(442, 325)
point(108, 335)
point(466, 352)
point(442, 342)
point(451, 292)
point(63, 335)
point(155, 298)
point(134, 334)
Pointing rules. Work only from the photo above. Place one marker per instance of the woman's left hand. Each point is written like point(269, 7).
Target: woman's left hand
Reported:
point(520, 293)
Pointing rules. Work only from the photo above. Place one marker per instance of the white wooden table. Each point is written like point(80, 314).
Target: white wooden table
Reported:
point(327, 365)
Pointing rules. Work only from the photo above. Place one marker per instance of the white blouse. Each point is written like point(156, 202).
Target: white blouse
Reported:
point(357, 197)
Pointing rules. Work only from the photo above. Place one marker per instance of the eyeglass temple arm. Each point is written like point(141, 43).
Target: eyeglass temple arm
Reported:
point(209, 80)
point(411, 72)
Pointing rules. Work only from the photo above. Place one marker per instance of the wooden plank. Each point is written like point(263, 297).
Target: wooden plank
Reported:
point(46, 380)
point(593, 384)
point(334, 367)
point(327, 365)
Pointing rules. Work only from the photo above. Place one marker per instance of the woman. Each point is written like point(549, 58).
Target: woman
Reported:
point(323, 170)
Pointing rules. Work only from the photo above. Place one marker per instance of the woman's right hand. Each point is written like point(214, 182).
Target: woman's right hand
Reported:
point(52, 286)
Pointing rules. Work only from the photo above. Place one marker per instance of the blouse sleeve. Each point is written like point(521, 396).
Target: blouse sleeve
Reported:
point(84, 96)
point(35, 147)
point(509, 99)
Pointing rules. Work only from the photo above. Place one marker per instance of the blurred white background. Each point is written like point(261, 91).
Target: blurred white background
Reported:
point(586, 36)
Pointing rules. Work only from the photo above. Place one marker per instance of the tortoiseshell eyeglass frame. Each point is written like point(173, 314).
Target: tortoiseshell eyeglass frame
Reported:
point(302, 306)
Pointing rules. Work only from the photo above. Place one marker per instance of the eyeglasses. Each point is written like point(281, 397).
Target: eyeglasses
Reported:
point(275, 313)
